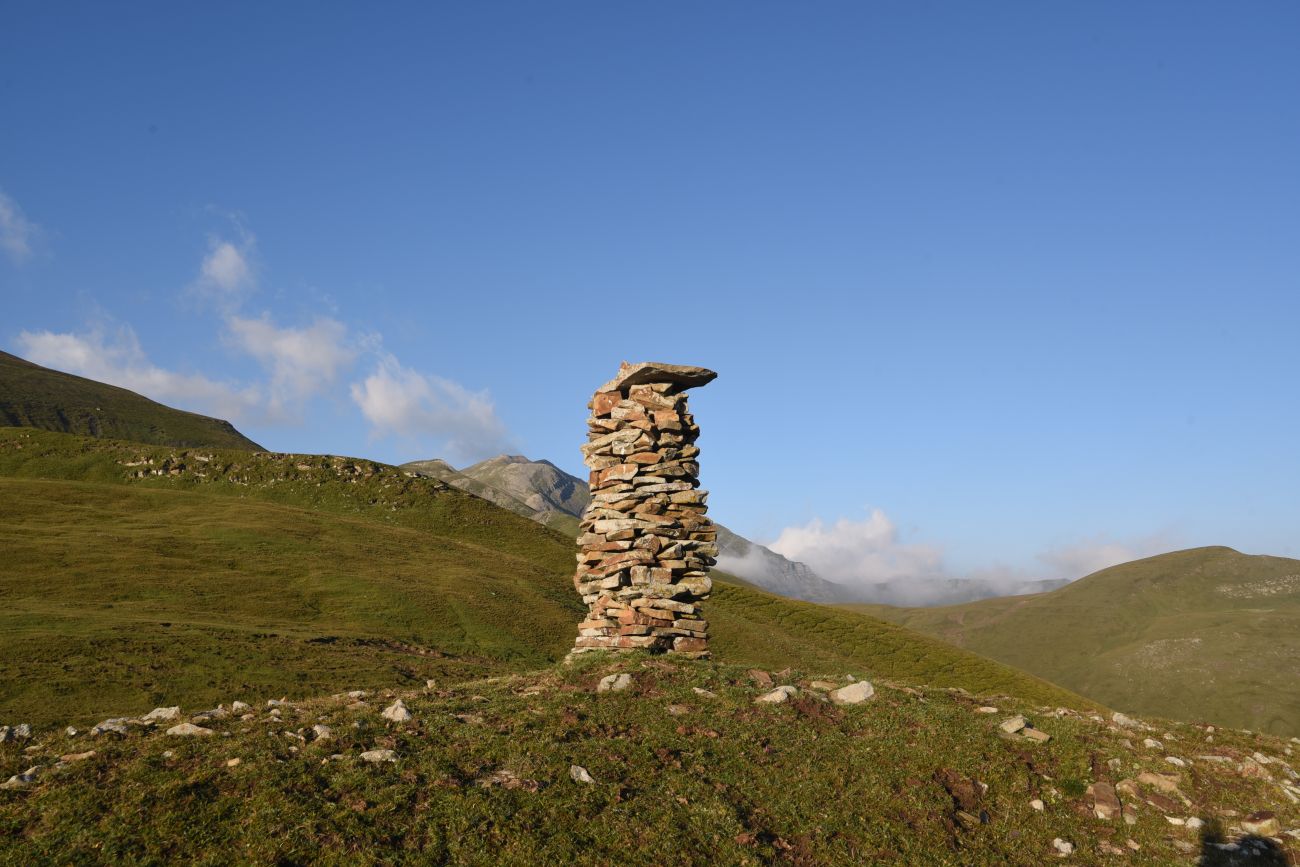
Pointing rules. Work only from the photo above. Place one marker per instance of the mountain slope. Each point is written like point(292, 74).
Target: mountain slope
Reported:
point(557, 499)
point(137, 574)
point(1203, 634)
point(35, 396)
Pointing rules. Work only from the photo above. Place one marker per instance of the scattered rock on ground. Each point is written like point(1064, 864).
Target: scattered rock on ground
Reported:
point(189, 730)
point(778, 695)
point(77, 757)
point(760, 677)
point(854, 693)
point(1013, 724)
point(376, 756)
point(705, 693)
point(579, 774)
point(162, 713)
point(1105, 803)
point(1264, 823)
point(614, 682)
point(116, 726)
point(1063, 847)
point(397, 712)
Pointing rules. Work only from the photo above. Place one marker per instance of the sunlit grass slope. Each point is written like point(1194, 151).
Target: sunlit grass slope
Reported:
point(1204, 634)
point(482, 774)
point(136, 575)
point(35, 396)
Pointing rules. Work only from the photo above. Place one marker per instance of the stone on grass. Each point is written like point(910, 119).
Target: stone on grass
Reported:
point(760, 677)
point(322, 732)
point(377, 756)
point(677, 710)
point(189, 730)
point(1152, 744)
point(986, 709)
point(397, 712)
point(239, 707)
point(1037, 804)
point(579, 774)
point(162, 713)
point(1013, 724)
point(1063, 848)
point(1264, 823)
point(614, 682)
point(1034, 734)
point(71, 731)
point(778, 695)
point(704, 693)
point(116, 726)
point(21, 781)
point(77, 757)
point(854, 693)
point(824, 685)
point(1105, 803)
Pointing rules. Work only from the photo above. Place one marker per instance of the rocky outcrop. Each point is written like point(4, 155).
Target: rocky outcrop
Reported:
point(645, 545)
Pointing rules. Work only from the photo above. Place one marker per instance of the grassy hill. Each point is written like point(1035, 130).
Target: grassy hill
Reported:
point(1204, 634)
point(137, 575)
point(682, 767)
point(35, 396)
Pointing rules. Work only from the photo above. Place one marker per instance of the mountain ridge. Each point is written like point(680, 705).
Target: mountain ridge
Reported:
point(48, 399)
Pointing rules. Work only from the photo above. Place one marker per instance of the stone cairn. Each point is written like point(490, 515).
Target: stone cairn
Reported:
point(646, 544)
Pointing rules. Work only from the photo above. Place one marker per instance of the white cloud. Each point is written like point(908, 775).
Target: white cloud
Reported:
point(859, 552)
point(118, 359)
point(17, 233)
point(302, 362)
point(399, 401)
point(226, 272)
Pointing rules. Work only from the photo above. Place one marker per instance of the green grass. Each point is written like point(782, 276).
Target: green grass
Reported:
point(35, 396)
point(1203, 634)
point(727, 782)
point(291, 574)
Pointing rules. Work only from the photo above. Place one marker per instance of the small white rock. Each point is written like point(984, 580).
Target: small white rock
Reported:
point(854, 693)
point(1063, 847)
point(579, 774)
point(777, 696)
point(376, 756)
point(1037, 804)
point(189, 730)
point(239, 707)
point(397, 712)
point(162, 713)
point(1175, 761)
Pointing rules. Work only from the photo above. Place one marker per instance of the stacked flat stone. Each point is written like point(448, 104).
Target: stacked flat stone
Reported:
point(646, 544)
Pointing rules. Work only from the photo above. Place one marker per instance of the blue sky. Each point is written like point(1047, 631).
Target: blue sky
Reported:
point(996, 289)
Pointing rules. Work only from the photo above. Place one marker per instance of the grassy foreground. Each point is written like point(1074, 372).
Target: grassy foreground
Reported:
point(1204, 634)
point(483, 775)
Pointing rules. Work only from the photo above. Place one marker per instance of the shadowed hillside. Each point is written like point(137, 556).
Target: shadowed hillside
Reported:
point(35, 396)
point(1203, 634)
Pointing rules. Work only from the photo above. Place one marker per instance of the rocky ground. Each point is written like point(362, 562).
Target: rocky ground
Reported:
point(642, 760)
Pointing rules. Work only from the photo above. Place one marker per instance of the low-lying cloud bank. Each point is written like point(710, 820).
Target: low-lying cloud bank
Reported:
point(871, 561)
